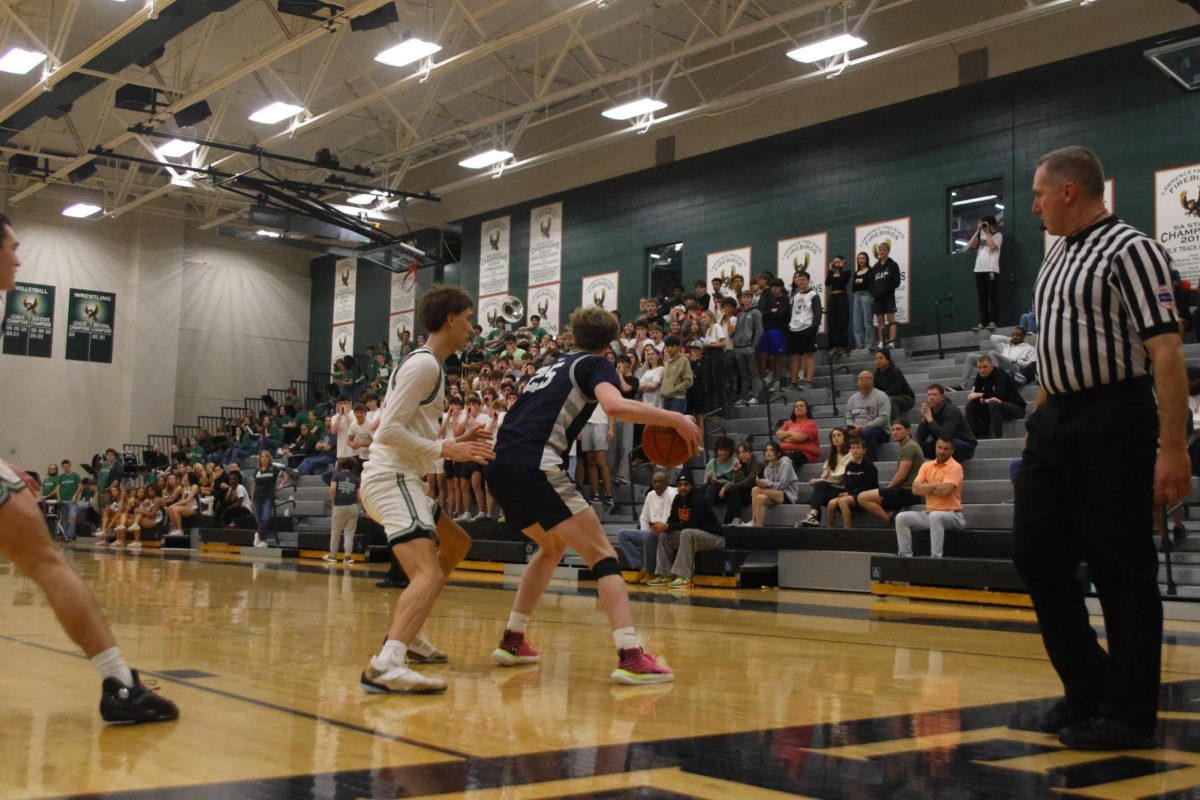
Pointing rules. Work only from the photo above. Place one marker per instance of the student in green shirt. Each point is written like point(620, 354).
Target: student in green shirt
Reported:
point(886, 501)
point(68, 482)
point(69, 485)
point(50, 483)
point(196, 452)
point(535, 328)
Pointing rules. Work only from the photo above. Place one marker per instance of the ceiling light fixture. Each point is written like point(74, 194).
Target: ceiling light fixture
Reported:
point(80, 210)
point(275, 112)
point(366, 198)
point(20, 61)
point(410, 50)
point(636, 108)
point(979, 199)
point(266, 234)
point(481, 160)
point(176, 148)
point(826, 48)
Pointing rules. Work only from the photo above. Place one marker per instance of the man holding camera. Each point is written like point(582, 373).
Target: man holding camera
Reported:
point(986, 244)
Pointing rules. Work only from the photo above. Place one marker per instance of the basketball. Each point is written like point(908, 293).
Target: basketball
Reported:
point(664, 447)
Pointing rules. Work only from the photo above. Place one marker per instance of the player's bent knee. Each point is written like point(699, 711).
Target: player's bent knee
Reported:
point(605, 567)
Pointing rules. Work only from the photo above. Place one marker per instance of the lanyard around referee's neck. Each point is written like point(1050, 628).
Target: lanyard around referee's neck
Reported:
point(1104, 212)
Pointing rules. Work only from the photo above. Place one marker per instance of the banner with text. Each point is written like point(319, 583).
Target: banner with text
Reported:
point(601, 290)
point(895, 232)
point(400, 323)
point(543, 301)
point(91, 317)
point(402, 313)
point(724, 264)
point(808, 254)
point(487, 314)
point(29, 320)
point(1177, 217)
point(1049, 241)
point(343, 341)
point(345, 287)
point(545, 245)
point(493, 256)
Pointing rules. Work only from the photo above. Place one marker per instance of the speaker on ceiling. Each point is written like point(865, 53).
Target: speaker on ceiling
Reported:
point(379, 18)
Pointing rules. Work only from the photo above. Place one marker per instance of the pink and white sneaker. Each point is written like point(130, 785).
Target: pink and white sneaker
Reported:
point(638, 668)
point(514, 651)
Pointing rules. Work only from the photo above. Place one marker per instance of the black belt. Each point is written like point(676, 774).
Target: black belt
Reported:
point(1125, 388)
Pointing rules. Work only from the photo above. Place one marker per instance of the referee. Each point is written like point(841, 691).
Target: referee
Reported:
point(1099, 453)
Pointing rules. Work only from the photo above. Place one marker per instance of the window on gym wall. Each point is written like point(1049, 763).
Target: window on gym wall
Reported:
point(664, 268)
point(966, 205)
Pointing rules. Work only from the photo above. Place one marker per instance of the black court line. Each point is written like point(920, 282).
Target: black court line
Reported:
point(734, 604)
point(802, 759)
point(295, 712)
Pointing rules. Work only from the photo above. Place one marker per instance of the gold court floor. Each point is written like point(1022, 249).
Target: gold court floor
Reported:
point(778, 693)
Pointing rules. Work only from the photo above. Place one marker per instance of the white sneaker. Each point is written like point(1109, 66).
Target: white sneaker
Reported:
point(135, 545)
point(736, 522)
point(385, 679)
point(259, 542)
point(329, 557)
point(463, 517)
point(114, 544)
point(753, 401)
point(482, 515)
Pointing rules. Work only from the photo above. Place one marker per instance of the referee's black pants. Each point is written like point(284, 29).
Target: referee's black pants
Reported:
point(1075, 501)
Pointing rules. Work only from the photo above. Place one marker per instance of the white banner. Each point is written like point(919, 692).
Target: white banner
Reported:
point(543, 301)
point(545, 245)
point(724, 264)
point(1109, 192)
point(398, 323)
point(404, 292)
point(896, 233)
point(343, 340)
point(1177, 217)
point(493, 256)
point(488, 311)
point(345, 281)
point(804, 253)
point(601, 290)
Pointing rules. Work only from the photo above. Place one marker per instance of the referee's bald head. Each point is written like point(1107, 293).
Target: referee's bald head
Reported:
point(1074, 164)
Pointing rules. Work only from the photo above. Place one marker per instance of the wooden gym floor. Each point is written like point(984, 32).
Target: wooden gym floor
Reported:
point(778, 694)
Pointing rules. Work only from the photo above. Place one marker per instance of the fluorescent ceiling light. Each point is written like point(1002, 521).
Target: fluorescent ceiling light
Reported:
point(80, 210)
point(276, 112)
point(480, 160)
point(1000, 206)
point(980, 199)
point(826, 48)
point(19, 61)
point(176, 148)
point(408, 51)
point(266, 234)
point(636, 108)
point(366, 198)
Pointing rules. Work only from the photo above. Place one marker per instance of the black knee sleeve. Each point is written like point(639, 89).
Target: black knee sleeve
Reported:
point(605, 567)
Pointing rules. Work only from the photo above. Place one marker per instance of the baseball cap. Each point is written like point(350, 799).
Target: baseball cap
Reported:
point(697, 343)
point(684, 477)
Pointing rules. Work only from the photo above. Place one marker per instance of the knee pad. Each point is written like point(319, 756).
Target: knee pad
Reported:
point(605, 567)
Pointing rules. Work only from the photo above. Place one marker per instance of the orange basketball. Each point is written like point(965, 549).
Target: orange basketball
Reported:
point(664, 447)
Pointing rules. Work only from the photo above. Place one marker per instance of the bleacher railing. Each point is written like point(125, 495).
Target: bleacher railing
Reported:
point(182, 431)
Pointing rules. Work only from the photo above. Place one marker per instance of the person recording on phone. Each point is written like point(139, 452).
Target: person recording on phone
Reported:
point(986, 243)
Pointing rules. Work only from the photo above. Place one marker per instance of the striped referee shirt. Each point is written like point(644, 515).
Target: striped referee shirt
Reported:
point(1100, 294)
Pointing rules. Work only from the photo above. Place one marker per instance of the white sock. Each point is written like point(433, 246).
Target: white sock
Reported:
point(517, 622)
point(626, 639)
point(111, 664)
point(394, 652)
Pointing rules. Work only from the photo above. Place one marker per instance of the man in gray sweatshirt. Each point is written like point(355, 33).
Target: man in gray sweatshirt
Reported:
point(868, 415)
point(745, 345)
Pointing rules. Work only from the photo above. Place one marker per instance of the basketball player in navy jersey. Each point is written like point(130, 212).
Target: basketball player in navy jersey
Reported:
point(427, 543)
point(25, 541)
point(539, 498)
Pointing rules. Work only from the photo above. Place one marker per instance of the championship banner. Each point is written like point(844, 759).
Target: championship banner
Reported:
point(543, 301)
point(345, 282)
point(398, 323)
point(1177, 217)
point(895, 232)
point(724, 264)
point(545, 245)
point(601, 290)
point(91, 317)
point(494, 256)
point(808, 254)
point(29, 320)
point(1109, 191)
point(343, 341)
point(404, 293)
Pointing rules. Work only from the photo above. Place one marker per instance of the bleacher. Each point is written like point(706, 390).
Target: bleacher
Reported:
point(977, 564)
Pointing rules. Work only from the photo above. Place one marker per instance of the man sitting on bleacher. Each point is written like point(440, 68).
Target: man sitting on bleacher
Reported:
point(940, 482)
point(639, 546)
point(994, 398)
point(897, 495)
point(868, 414)
point(692, 527)
point(1011, 354)
point(939, 418)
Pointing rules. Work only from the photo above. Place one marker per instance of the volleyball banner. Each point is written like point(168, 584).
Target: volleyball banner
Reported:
point(494, 256)
point(896, 233)
point(545, 245)
point(601, 290)
point(91, 318)
point(1177, 217)
point(724, 264)
point(29, 320)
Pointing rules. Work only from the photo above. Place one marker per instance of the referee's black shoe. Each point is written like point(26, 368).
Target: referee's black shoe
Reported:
point(1104, 733)
point(133, 704)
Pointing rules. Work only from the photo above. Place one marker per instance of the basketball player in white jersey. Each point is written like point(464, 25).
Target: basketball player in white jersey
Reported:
point(539, 499)
point(426, 542)
point(25, 541)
